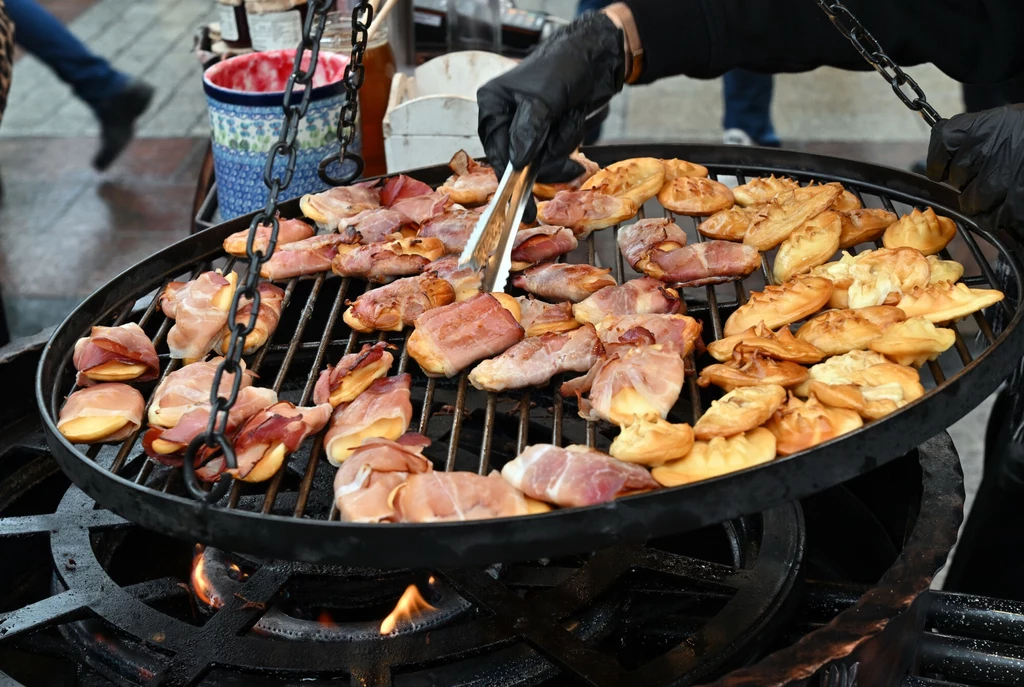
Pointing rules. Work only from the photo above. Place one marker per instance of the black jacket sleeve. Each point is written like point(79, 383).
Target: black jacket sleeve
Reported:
point(973, 41)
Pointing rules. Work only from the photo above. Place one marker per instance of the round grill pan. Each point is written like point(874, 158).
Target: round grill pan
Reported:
point(291, 516)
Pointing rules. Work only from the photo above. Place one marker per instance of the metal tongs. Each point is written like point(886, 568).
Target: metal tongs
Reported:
point(490, 245)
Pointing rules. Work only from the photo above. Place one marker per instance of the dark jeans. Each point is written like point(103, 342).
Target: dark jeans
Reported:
point(42, 35)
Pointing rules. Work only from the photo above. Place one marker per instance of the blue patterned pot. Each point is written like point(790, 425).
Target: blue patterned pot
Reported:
point(244, 95)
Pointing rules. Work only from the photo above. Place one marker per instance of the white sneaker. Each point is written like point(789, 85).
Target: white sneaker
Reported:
point(736, 137)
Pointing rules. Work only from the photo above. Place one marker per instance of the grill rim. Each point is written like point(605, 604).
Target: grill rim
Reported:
point(559, 532)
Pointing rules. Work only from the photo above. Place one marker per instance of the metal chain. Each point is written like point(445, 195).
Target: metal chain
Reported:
point(215, 437)
point(903, 85)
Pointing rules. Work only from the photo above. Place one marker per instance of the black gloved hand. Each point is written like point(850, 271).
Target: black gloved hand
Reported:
point(537, 109)
point(982, 154)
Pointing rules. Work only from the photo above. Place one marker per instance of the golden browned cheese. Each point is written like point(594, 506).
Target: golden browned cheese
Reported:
point(681, 168)
point(865, 382)
point(786, 212)
point(695, 196)
point(728, 225)
point(719, 456)
point(840, 366)
point(840, 331)
point(749, 367)
point(638, 179)
point(875, 277)
point(945, 302)
point(811, 244)
point(914, 342)
point(762, 189)
point(799, 425)
point(739, 410)
point(781, 305)
point(864, 225)
point(924, 231)
point(944, 270)
point(847, 202)
point(652, 443)
point(781, 345)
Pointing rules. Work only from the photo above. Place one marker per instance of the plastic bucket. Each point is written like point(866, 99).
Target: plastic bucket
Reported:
point(245, 95)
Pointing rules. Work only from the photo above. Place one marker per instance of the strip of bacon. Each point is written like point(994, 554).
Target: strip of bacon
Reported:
point(636, 297)
point(379, 262)
point(638, 239)
point(574, 476)
point(382, 411)
point(421, 208)
point(188, 388)
point(329, 207)
point(465, 280)
point(535, 245)
point(200, 313)
point(101, 413)
point(563, 282)
point(534, 361)
point(363, 485)
point(271, 303)
point(115, 354)
point(671, 331)
point(452, 228)
point(396, 305)
point(456, 496)
point(308, 256)
point(585, 211)
point(372, 226)
point(451, 338)
point(352, 375)
point(401, 187)
point(538, 317)
point(288, 231)
point(710, 262)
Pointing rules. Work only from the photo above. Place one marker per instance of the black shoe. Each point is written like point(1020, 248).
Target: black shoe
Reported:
point(117, 119)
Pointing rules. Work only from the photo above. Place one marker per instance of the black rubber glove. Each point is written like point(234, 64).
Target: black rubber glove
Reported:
point(536, 111)
point(982, 154)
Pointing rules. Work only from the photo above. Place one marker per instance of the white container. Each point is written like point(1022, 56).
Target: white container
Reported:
point(433, 113)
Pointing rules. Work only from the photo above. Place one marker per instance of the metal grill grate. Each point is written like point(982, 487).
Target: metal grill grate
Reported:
point(478, 431)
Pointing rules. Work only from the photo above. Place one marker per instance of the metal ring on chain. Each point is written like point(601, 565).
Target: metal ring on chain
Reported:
point(346, 178)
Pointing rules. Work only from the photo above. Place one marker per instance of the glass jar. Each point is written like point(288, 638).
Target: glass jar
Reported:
point(275, 24)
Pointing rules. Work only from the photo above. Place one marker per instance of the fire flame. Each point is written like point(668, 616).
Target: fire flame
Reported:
point(201, 583)
point(408, 607)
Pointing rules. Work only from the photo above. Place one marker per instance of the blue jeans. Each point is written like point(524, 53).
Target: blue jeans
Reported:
point(93, 79)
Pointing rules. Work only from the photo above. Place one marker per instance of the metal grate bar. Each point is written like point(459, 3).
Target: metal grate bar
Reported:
point(307, 311)
point(691, 382)
point(403, 359)
point(524, 422)
point(457, 417)
point(428, 401)
point(936, 370)
point(485, 443)
point(556, 412)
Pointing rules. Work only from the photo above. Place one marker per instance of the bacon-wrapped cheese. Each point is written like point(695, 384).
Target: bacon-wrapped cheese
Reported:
point(188, 388)
point(101, 413)
point(585, 211)
point(309, 256)
point(379, 262)
point(443, 496)
point(382, 411)
point(396, 305)
point(353, 374)
point(271, 302)
point(636, 297)
point(420, 209)
point(329, 207)
point(558, 281)
point(115, 354)
point(374, 226)
point(678, 332)
point(400, 187)
point(200, 312)
point(535, 360)
point(640, 238)
point(465, 280)
point(363, 485)
point(699, 264)
point(535, 245)
point(451, 228)
point(471, 183)
point(574, 476)
point(288, 231)
point(449, 339)
point(539, 317)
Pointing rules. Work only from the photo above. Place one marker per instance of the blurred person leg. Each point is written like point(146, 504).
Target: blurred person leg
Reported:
point(748, 104)
point(115, 98)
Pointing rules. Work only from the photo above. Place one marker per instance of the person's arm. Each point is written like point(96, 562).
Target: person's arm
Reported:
point(973, 41)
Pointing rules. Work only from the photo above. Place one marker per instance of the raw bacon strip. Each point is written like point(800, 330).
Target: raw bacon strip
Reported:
point(398, 304)
point(308, 256)
point(188, 388)
point(421, 208)
point(538, 317)
point(329, 207)
point(446, 496)
point(451, 338)
point(101, 413)
point(710, 262)
point(465, 280)
point(638, 239)
point(288, 231)
point(535, 360)
point(379, 262)
point(541, 244)
point(341, 383)
point(472, 182)
point(200, 314)
point(400, 187)
point(115, 354)
point(452, 228)
point(574, 476)
point(372, 226)
point(563, 282)
point(383, 411)
point(636, 297)
point(171, 296)
point(271, 302)
point(363, 485)
point(678, 332)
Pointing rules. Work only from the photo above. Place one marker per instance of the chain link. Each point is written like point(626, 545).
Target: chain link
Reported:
point(215, 437)
point(903, 85)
